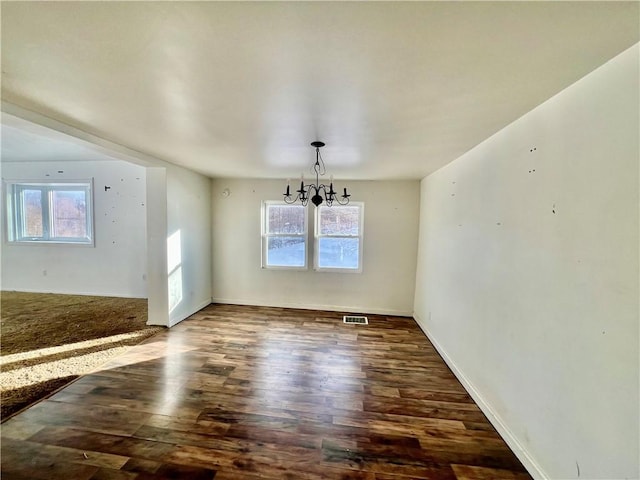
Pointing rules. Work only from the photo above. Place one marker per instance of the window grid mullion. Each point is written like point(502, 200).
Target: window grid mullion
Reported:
point(18, 198)
point(336, 236)
point(285, 234)
point(47, 215)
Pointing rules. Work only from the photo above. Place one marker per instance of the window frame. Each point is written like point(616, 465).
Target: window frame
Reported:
point(318, 236)
point(14, 217)
point(265, 235)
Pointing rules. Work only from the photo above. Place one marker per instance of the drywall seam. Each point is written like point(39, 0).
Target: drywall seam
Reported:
point(523, 455)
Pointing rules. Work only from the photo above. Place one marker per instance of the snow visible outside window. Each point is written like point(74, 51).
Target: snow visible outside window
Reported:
point(284, 236)
point(339, 237)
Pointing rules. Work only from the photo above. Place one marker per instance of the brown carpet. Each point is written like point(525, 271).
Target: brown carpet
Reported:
point(31, 322)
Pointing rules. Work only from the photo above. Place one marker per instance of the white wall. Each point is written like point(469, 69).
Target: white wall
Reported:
point(385, 285)
point(189, 213)
point(158, 291)
point(116, 266)
point(528, 276)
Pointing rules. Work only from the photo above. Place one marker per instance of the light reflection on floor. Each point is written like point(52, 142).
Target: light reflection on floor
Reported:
point(74, 364)
point(43, 352)
point(42, 372)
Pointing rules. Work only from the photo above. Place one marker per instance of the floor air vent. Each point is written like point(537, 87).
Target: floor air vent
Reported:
point(359, 320)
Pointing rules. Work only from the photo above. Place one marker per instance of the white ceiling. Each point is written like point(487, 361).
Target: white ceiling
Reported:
point(395, 89)
point(29, 143)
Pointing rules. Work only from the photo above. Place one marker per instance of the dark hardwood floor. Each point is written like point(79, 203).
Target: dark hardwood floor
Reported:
point(247, 392)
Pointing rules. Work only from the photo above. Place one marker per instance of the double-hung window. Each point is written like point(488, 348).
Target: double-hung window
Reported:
point(39, 212)
point(284, 236)
point(338, 237)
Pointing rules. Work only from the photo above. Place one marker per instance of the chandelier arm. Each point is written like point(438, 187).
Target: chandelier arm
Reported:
point(345, 198)
point(329, 195)
point(322, 188)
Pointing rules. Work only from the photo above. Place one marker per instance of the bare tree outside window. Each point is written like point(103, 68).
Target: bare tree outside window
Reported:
point(339, 237)
point(285, 239)
point(69, 214)
point(33, 225)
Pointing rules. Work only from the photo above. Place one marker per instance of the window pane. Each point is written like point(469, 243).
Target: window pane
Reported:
point(285, 219)
point(31, 213)
point(338, 252)
point(339, 220)
point(69, 213)
point(286, 252)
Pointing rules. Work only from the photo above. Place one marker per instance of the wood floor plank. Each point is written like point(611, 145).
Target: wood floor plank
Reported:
point(22, 459)
point(64, 454)
point(469, 472)
point(237, 392)
point(84, 415)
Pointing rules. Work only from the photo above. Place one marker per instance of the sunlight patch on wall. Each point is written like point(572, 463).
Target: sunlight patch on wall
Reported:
point(174, 269)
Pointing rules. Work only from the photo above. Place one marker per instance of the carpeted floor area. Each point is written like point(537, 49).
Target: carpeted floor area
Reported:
point(47, 340)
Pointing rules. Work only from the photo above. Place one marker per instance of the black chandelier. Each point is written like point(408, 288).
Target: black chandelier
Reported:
point(317, 192)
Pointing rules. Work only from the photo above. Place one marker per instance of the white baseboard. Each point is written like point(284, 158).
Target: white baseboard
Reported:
point(306, 306)
point(529, 463)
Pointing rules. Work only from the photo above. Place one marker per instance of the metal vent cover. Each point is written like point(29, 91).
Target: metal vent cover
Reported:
point(355, 319)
